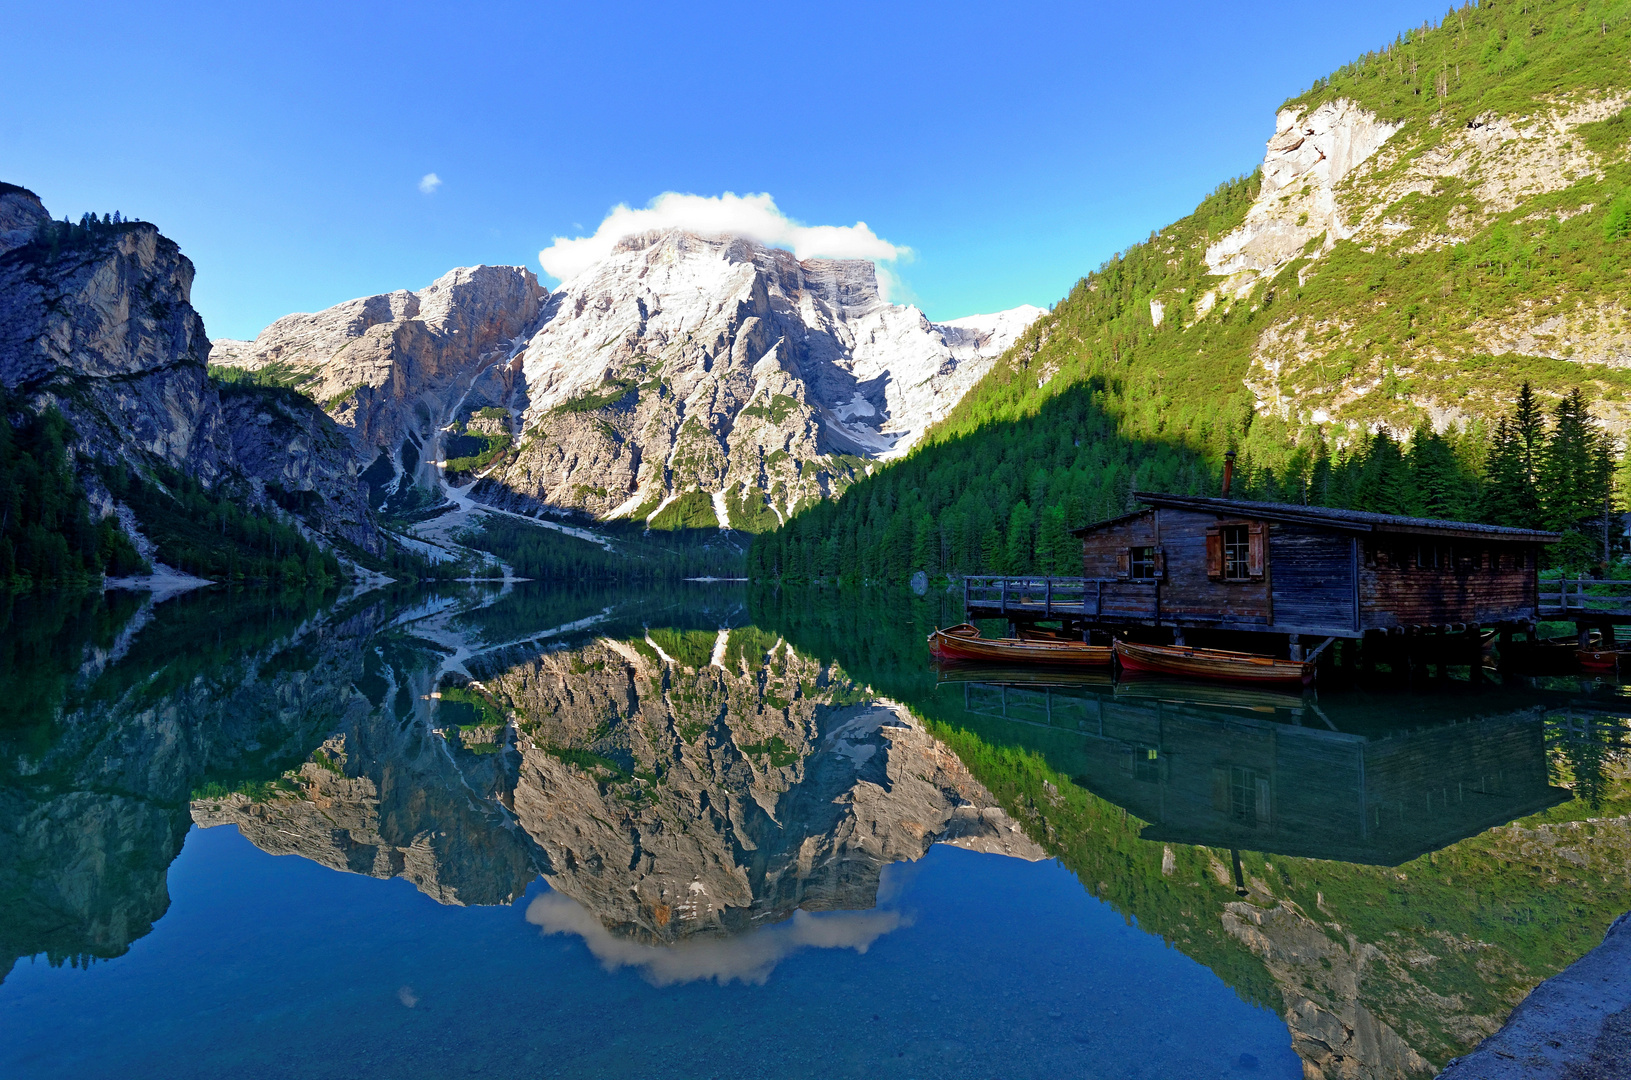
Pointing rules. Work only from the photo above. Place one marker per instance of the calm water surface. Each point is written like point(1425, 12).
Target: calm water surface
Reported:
point(720, 833)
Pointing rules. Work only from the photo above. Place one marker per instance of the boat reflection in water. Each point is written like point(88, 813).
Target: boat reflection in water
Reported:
point(1246, 768)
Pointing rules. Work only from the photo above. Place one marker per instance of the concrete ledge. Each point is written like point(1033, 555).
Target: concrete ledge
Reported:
point(1574, 1026)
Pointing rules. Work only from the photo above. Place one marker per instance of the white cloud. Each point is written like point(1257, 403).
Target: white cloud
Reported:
point(749, 957)
point(755, 216)
point(429, 183)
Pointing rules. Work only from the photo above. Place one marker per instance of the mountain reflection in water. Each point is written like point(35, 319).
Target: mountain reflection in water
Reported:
point(713, 781)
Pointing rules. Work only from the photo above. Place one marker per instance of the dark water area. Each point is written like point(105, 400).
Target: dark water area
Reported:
point(718, 831)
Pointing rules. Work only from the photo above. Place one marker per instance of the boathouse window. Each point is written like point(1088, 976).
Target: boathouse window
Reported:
point(1141, 562)
point(1235, 552)
point(1243, 794)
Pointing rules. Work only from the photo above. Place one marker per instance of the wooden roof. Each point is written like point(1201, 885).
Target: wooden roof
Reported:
point(1350, 521)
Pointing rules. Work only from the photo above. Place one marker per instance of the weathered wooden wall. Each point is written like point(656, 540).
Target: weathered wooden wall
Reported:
point(1313, 577)
point(1476, 583)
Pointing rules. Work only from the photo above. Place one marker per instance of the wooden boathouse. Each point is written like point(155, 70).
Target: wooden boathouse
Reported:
point(1199, 570)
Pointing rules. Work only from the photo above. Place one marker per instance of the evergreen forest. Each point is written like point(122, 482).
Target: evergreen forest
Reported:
point(634, 554)
point(47, 537)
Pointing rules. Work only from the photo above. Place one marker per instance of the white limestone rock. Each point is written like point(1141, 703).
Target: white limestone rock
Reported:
point(717, 364)
point(1308, 157)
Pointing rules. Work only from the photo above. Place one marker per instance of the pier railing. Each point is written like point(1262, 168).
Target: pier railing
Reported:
point(1044, 596)
point(1567, 598)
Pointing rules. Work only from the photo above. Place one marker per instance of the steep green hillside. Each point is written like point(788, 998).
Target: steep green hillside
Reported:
point(1434, 226)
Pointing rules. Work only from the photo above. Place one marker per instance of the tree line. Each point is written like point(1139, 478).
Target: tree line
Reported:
point(47, 537)
point(1005, 498)
point(206, 533)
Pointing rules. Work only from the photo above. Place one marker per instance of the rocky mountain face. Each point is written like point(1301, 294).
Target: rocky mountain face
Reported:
point(397, 368)
point(682, 365)
point(97, 322)
point(1414, 191)
point(718, 365)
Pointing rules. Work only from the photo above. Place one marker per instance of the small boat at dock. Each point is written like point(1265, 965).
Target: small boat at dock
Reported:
point(1213, 664)
point(963, 642)
point(1604, 661)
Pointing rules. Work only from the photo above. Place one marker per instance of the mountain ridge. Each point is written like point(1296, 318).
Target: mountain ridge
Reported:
point(714, 374)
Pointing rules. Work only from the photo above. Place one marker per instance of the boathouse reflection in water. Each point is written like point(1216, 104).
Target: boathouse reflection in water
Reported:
point(1282, 774)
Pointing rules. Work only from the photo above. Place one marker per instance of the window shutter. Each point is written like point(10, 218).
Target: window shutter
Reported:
point(1254, 550)
point(1124, 563)
point(1160, 563)
point(1214, 553)
point(1220, 790)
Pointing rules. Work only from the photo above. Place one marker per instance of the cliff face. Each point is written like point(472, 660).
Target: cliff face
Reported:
point(398, 365)
point(104, 330)
point(98, 322)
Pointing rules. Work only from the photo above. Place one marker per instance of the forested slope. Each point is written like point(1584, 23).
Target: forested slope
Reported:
point(1435, 226)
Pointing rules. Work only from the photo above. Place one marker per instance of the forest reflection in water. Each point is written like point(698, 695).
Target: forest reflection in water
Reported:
point(714, 780)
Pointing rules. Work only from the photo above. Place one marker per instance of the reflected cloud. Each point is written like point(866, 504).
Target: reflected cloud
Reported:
point(749, 958)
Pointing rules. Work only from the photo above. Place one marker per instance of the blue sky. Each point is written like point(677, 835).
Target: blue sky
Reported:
point(1013, 147)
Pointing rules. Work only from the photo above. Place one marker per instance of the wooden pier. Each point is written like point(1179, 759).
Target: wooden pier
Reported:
point(1588, 603)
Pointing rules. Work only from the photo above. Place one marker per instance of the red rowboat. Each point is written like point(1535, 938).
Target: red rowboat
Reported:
point(1601, 661)
point(1217, 664)
point(963, 642)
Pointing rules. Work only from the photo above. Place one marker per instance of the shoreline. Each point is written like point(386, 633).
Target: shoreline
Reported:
point(1574, 1026)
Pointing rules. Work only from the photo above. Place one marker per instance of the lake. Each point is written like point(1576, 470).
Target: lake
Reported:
point(722, 831)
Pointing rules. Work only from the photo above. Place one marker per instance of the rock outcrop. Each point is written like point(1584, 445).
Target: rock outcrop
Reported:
point(1307, 158)
point(96, 320)
point(21, 213)
point(396, 366)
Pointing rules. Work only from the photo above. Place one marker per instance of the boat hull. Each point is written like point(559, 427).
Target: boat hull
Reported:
point(1601, 661)
point(1215, 665)
point(963, 643)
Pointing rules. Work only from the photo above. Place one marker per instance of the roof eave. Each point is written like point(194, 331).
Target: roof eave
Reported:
point(1257, 511)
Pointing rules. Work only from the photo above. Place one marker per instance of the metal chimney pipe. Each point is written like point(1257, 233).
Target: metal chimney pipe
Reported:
point(1228, 471)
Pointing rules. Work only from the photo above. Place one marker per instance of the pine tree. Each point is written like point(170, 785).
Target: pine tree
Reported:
point(1501, 503)
point(1384, 484)
point(1576, 473)
point(1021, 531)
